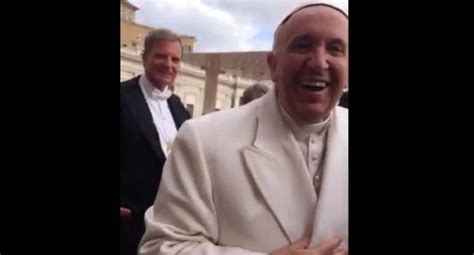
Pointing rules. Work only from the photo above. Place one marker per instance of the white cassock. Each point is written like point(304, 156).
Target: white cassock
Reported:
point(237, 182)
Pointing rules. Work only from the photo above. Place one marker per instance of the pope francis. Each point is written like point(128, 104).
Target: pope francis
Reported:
point(269, 177)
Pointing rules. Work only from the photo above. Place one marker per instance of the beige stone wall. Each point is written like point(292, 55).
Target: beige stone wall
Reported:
point(189, 84)
point(127, 11)
point(133, 35)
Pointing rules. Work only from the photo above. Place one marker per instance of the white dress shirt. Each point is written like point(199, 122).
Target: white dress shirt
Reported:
point(160, 111)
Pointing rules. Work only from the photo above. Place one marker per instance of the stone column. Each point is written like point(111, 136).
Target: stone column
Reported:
point(210, 88)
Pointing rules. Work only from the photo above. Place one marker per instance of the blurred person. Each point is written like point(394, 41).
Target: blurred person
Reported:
point(253, 92)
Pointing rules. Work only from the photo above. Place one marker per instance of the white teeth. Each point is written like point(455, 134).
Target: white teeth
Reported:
point(315, 83)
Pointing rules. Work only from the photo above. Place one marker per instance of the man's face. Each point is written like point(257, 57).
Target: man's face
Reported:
point(310, 65)
point(162, 63)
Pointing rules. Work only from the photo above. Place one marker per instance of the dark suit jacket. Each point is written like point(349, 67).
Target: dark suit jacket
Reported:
point(141, 158)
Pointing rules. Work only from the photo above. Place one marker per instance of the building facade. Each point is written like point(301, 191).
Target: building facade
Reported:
point(190, 82)
point(191, 79)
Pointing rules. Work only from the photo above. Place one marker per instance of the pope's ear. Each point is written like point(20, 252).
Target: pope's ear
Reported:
point(271, 62)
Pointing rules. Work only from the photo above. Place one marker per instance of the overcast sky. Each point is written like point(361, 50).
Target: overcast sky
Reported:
point(220, 25)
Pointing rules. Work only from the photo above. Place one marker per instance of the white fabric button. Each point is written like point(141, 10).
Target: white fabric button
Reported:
point(315, 157)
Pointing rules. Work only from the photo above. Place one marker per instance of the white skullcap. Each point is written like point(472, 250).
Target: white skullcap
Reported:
point(339, 5)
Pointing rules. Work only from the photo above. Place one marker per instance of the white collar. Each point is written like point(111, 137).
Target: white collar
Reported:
point(303, 131)
point(151, 91)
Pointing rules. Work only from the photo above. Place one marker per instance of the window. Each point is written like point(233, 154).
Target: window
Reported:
point(188, 48)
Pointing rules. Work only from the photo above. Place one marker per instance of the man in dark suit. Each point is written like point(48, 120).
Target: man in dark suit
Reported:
point(150, 116)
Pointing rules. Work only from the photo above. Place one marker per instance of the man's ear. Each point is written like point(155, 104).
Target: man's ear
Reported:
point(272, 62)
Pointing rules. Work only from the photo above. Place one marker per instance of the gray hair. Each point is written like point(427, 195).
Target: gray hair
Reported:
point(158, 36)
point(253, 92)
point(276, 35)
